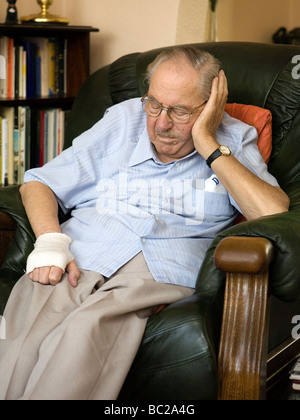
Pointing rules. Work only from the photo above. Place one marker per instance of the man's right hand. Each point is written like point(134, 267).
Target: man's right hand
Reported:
point(53, 275)
point(50, 258)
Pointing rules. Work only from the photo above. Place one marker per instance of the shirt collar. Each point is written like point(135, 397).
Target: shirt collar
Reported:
point(143, 150)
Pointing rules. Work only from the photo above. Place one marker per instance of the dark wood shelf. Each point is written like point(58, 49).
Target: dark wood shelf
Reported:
point(78, 57)
point(53, 102)
point(76, 42)
point(30, 29)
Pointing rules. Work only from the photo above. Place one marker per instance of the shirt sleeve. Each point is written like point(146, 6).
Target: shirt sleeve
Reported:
point(242, 141)
point(73, 173)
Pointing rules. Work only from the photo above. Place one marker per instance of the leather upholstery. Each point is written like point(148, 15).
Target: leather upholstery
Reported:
point(177, 358)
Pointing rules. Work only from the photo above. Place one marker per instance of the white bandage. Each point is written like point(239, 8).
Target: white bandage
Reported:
point(50, 249)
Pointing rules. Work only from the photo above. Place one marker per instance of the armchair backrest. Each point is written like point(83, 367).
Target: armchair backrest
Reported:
point(264, 75)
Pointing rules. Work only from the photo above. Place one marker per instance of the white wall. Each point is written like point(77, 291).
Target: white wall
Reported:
point(138, 25)
point(255, 20)
point(125, 25)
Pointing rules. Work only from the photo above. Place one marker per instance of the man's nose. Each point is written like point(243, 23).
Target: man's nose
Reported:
point(164, 122)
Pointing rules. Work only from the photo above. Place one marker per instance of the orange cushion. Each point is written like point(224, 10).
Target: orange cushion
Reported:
point(259, 118)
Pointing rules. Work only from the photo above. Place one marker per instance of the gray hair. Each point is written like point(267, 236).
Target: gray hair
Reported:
point(205, 63)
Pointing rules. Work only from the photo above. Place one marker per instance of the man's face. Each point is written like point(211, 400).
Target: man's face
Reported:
point(173, 85)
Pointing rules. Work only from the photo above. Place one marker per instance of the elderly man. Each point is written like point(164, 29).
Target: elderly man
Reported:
point(149, 186)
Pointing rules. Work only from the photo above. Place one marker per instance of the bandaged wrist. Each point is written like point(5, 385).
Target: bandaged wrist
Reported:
point(50, 249)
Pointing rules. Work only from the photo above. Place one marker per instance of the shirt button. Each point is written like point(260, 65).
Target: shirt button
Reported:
point(156, 218)
point(144, 240)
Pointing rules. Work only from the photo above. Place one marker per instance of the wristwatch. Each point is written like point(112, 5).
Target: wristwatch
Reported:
point(221, 151)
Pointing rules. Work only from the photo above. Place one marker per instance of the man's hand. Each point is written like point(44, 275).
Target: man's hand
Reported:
point(50, 258)
point(205, 127)
point(53, 275)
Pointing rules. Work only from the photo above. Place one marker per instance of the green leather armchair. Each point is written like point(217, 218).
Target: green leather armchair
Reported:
point(232, 339)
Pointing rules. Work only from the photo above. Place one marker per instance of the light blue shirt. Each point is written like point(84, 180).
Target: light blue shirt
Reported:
point(124, 200)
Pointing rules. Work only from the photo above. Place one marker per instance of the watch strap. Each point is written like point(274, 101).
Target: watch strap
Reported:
point(217, 153)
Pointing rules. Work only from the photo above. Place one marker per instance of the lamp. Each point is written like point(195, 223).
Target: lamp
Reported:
point(44, 16)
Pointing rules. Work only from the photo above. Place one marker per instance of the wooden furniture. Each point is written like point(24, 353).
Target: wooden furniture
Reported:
point(36, 101)
point(78, 59)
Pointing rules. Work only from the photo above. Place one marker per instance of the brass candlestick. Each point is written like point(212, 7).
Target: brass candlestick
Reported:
point(44, 16)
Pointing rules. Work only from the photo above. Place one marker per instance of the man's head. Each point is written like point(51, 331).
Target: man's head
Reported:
point(178, 78)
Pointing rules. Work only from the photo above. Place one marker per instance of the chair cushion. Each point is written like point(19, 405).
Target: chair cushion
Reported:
point(259, 118)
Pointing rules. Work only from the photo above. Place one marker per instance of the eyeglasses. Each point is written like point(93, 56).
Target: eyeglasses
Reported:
point(176, 114)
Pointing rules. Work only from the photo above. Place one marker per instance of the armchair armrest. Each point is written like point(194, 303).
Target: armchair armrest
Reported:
point(283, 230)
point(14, 214)
point(243, 345)
point(7, 227)
point(23, 238)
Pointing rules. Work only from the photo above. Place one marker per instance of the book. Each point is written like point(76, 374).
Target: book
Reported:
point(4, 156)
point(32, 67)
point(41, 138)
point(52, 67)
point(10, 74)
point(42, 54)
point(3, 66)
point(29, 138)
point(1, 138)
point(19, 144)
point(61, 67)
point(51, 135)
point(16, 147)
point(8, 114)
point(22, 146)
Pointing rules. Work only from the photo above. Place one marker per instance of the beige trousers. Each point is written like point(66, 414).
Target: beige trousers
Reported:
point(67, 343)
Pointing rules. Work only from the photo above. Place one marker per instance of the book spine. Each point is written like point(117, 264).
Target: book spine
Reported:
point(22, 138)
point(4, 151)
point(10, 69)
point(1, 152)
point(16, 147)
point(61, 67)
point(3, 66)
point(52, 58)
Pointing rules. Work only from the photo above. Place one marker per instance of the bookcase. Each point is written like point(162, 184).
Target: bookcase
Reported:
point(41, 70)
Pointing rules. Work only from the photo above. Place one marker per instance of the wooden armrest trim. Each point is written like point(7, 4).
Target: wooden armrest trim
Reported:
point(243, 345)
point(238, 254)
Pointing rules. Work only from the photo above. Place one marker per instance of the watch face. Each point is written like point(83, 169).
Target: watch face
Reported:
point(225, 150)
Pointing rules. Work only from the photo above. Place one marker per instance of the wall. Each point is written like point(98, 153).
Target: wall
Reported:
point(192, 21)
point(126, 25)
point(138, 25)
point(255, 20)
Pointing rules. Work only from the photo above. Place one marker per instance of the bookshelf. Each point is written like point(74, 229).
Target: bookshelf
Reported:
point(72, 43)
